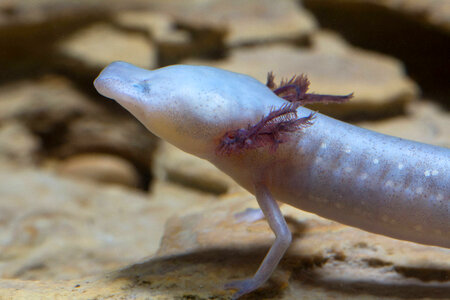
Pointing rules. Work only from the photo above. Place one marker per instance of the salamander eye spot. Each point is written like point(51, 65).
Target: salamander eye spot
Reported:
point(143, 86)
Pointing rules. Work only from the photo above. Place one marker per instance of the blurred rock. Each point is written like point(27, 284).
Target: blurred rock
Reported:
point(14, 12)
point(43, 104)
point(100, 167)
point(69, 122)
point(425, 122)
point(247, 22)
point(416, 32)
point(436, 12)
point(173, 165)
point(379, 82)
point(100, 44)
point(172, 43)
point(203, 250)
point(55, 228)
point(326, 260)
point(117, 134)
point(17, 144)
point(179, 199)
point(433, 12)
point(160, 26)
point(326, 41)
point(30, 32)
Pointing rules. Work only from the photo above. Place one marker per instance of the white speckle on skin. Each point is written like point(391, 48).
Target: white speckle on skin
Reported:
point(439, 197)
point(364, 176)
point(419, 190)
point(376, 161)
point(348, 169)
point(318, 160)
point(389, 183)
point(434, 172)
point(427, 173)
point(323, 145)
point(400, 166)
point(347, 150)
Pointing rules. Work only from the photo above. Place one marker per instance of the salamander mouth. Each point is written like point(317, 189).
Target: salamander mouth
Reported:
point(105, 86)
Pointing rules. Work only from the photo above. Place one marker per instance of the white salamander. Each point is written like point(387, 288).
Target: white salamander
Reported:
point(276, 149)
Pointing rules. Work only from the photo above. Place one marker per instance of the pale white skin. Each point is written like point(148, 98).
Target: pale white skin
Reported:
point(358, 177)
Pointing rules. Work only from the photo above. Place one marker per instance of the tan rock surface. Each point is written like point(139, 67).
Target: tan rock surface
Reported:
point(17, 144)
point(116, 134)
point(100, 44)
point(44, 103)
point(433, 12)
point(414, 31)
point(246, 22)
point(31, 30)
point(173, 165)
point(55, 228)
point(99, 167)
point(326, 260)
point(379, 83)
point(425, 122)
point(172, 42)
point(14, 12)
point(69, 122)
point(436, 12)
point(160, 26)
point(203, 250)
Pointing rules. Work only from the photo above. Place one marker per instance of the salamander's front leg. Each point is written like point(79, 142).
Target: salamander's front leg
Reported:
point(282, 241)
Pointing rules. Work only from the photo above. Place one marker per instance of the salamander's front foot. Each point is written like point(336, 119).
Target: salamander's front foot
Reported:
point(242, 286)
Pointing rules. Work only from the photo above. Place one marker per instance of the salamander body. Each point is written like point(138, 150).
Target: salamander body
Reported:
point(379, 183)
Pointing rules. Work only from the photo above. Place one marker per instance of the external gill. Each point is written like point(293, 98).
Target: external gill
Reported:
point(271, 129)
point(294, 90)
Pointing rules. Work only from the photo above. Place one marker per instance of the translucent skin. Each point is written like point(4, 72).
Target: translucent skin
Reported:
point(358, 177)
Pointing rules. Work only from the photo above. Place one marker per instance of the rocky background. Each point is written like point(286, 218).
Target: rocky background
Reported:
point(92, 206)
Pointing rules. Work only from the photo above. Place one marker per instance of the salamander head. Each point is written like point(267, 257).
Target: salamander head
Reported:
point(189, 106)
